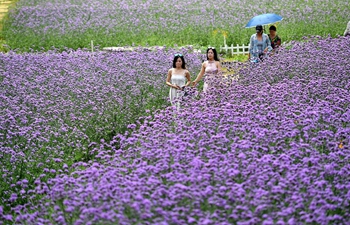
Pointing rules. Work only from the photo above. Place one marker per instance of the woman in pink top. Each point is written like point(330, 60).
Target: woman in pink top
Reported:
point(211, 69)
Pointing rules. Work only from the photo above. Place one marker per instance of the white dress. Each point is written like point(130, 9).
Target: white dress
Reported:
point(179, 79)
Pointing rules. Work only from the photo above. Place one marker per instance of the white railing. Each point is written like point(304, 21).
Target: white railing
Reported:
point(235, 50)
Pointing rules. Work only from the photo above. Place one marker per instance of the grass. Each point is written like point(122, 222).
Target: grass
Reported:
point(298, 22)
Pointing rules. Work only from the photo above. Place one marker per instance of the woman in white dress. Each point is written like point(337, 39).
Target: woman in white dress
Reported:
point(211, 70)
point(178, 78)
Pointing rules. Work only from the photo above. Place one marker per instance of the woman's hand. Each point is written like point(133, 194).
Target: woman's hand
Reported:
point(194, 83)
point(177, 87)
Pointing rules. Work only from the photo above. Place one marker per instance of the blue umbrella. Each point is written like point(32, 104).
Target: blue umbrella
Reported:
point(264, 19)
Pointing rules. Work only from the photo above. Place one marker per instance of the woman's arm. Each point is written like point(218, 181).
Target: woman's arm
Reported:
point(200, 75)
point(188, 77)
point(347, 30)
point(279, 41)
point(218, 65)
point(268, 44)
point(251, 43)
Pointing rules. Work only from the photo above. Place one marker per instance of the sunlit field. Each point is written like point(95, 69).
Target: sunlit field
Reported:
point(91, 138)
point(271, 147)
point(42, 24)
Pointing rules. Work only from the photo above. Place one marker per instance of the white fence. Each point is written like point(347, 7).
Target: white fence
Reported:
point(235, 50)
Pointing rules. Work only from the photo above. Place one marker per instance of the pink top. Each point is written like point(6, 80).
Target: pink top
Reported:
point(211, 68)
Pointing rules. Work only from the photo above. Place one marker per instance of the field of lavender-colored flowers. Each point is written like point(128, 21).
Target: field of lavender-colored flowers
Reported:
point(56, 108)
point(77, 148)
point(271, 148)
point(41, 24)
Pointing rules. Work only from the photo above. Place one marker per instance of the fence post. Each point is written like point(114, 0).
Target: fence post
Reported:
point(231, 49)
point(243, 49)
point(92, 46)
point(223, 48)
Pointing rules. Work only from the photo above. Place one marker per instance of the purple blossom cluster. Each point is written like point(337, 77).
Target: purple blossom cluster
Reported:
point(269, 148)
point(57, 108)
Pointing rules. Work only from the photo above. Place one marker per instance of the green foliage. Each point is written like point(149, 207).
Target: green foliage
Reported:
point(26, 39)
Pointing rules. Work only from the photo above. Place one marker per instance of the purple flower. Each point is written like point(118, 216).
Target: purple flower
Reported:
point(260, 151)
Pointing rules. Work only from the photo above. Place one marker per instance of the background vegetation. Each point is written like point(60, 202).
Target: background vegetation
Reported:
point(41, 25)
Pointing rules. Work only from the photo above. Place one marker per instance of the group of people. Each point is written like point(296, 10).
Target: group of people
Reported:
point(262, 44)
point(179, 78)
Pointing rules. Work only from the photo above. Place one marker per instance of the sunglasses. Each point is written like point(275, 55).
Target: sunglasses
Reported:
point(178, 54)
point(211, 48)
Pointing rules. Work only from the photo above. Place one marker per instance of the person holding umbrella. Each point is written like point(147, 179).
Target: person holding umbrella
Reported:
point(260, 44)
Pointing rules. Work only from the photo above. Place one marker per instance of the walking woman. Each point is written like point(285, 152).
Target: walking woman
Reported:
point(178, 78)
point(211, 69)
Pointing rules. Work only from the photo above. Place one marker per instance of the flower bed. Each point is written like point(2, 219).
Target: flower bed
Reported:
point(272, 148)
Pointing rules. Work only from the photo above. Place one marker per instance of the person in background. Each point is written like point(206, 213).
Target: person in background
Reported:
point(210, 69)
point(178, 78)
point(260, 44)
point(274, 38)
point(347, 30)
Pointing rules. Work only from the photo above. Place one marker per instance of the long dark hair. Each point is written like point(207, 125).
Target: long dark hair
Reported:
point(183, 66)
point(216, 58)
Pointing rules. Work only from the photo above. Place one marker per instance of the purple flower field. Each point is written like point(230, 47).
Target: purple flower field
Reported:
point(67, 23)
point(271, 148)
point(57, 107)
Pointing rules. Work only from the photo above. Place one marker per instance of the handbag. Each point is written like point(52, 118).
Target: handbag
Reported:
point(184, 89)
